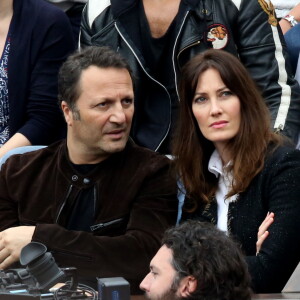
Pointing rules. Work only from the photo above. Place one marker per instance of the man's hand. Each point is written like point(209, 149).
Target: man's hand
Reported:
point(12, 240)
point(263, 230)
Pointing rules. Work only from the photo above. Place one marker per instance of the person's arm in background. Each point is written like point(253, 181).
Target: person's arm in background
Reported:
point(260, 46)
point(285, 24)
point(17, 140)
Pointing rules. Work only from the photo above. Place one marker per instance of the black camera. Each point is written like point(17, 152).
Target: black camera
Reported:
point(41, 274)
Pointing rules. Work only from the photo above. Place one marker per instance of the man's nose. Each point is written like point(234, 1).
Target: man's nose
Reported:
point(118, 115)
point(144, 285)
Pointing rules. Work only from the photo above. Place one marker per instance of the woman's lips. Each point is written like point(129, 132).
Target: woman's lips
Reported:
point(219, 124)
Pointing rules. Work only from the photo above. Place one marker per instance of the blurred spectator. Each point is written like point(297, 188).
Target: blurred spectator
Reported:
point(35, 39)
point(159, 37)
point(73, 10)
point(291, 30)
point(282, 7)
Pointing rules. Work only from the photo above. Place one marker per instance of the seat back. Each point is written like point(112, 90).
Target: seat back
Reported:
point(293, 284)
point(18, 150)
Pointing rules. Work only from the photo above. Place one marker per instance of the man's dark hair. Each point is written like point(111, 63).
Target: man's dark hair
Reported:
point(214, 259)
point(70, 72)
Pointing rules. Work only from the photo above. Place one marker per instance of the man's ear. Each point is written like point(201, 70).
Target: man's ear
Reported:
point(187, 286)
point(67, 112)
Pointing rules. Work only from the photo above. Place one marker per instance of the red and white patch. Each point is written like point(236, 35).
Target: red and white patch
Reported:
point(217, 35)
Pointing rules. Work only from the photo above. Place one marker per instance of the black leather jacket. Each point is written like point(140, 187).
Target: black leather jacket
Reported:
point(249, 35)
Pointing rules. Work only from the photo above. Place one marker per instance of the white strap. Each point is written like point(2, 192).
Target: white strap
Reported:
point(237, 3)
point(95, 8)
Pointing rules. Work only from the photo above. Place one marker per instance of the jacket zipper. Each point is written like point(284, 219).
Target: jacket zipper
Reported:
point(102, 225)
point(176, 40)
point(153, 79)
point(64, 203)
point(186, 47)
point(95, 197)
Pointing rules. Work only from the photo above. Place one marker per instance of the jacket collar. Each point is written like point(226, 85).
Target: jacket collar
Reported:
point(119, 7)
point(85, 180)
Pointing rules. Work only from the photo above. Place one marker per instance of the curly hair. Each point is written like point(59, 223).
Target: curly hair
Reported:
point(214, 259)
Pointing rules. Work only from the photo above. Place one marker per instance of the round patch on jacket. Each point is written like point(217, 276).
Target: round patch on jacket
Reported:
point(217, 35)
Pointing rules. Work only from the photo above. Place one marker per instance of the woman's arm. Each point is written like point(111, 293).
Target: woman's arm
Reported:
point(279, 254)
point(17, 140)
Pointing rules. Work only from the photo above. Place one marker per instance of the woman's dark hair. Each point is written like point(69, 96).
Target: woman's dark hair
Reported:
point(192, 150)
point(201, 250)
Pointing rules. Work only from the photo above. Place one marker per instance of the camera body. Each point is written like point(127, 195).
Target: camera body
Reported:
point(19, 284)
point(41, 274)
point(115, 288)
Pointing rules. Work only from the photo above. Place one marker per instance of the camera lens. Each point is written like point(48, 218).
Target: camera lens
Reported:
point(41, 265)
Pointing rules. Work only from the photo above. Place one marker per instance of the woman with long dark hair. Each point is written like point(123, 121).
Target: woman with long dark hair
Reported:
point(235, 170)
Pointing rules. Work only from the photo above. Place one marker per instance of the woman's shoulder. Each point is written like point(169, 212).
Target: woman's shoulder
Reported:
point(49, 13)
point(282, 154)
point(43, 23)
point(39, 11)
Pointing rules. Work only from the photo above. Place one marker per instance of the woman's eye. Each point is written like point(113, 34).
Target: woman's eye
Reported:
point(200, 99)
point(226, 93)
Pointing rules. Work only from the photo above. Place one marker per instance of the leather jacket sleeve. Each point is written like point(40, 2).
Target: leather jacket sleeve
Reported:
point(261, 48)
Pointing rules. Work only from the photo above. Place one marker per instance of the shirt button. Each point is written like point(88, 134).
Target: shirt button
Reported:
point(86, 181)
point(74, 178)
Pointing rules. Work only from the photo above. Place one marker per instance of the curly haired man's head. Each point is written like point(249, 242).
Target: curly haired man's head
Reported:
point(197, 261)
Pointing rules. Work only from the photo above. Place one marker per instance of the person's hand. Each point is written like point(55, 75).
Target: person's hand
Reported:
point(285, 25)
point(12, 240)
point(263, 230)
